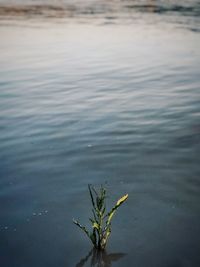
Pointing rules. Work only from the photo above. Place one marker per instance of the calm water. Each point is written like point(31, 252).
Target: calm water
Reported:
point(109, 93)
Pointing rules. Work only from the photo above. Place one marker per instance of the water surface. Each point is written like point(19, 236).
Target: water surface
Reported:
point(92, 98)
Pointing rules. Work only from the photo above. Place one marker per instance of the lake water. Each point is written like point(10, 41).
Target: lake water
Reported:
point(100, 92)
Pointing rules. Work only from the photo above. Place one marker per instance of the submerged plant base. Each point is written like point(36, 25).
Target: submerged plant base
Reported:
point(101, 220)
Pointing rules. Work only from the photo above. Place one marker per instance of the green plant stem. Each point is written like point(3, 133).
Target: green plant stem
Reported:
point(101, 222)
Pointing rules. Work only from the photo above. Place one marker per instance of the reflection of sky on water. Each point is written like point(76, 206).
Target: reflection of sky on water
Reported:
point(80, 104)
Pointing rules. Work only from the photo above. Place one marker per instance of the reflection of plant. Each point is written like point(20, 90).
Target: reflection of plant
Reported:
point(101, 221)
point(100, 258)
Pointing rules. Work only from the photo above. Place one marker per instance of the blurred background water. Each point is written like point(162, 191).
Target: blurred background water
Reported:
point(101, 92)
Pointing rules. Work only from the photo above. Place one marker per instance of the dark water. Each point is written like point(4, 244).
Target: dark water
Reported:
point(92, 98)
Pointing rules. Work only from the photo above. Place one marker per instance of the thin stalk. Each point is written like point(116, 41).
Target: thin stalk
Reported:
point(101, 222)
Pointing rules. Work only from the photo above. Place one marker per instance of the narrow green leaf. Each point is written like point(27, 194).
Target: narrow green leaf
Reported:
point(95, 216)
point(103, 211)
point(94, 191)
point(81, 227)
point(122, 200)
point(112, 212)
point(91, 196)
point(96, 225)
